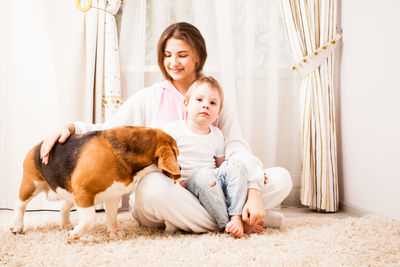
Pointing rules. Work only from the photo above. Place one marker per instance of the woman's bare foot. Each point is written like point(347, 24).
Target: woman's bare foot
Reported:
point(253, 229)
point(235, 226)
point(273, 219)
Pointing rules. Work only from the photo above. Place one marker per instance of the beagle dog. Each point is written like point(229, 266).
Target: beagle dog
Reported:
point(94, 168)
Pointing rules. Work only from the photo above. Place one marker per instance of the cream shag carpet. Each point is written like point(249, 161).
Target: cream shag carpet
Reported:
point(302, 241)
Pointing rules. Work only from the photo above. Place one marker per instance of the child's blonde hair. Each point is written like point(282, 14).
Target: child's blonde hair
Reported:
point(213, 83)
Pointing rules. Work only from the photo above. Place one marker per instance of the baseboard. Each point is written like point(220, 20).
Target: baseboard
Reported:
point(125, 203)
point(353, 210)
point(293, 199)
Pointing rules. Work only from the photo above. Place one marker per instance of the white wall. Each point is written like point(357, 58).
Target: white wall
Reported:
point(369, 107)
point(42, 82)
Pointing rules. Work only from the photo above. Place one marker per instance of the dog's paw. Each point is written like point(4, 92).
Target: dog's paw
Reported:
point(17, 228)
point(116, 234)
point(67, 226)
point(72, 236)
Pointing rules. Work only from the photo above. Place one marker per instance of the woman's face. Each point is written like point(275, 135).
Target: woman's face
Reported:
point(179, 61)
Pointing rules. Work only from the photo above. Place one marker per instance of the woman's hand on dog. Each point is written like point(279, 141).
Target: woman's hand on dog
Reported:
point(61, 134)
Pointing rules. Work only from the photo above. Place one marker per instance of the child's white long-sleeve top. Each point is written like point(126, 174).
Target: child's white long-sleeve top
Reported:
point(196, 151)
point(157, 105)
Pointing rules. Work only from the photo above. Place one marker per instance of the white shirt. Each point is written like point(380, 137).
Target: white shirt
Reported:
point(196, 151)
point(142, 109)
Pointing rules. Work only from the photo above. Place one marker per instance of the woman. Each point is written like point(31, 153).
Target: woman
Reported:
point(157, 201)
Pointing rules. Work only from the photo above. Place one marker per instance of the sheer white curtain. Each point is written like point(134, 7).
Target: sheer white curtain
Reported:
point(247, 52)
point(58, 65)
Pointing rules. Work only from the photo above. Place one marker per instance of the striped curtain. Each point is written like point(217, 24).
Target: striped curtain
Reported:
point(311, 30)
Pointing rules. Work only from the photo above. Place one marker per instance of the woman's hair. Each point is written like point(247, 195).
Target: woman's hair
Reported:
point(190, 35)
point(210, 81)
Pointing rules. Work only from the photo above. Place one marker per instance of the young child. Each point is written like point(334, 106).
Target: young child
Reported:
point(219, 184)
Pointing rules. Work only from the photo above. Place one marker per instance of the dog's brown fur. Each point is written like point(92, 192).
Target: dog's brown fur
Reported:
point(89, 164)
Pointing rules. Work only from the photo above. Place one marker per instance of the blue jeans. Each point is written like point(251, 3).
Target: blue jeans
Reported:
point(222, 191)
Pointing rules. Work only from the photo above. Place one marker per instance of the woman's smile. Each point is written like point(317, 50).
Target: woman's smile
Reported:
point(175, 70)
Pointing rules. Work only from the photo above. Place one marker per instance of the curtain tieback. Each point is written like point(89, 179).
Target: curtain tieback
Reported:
point(312, 61)
point(112, 99)
point(83, 9)
point(113, 5)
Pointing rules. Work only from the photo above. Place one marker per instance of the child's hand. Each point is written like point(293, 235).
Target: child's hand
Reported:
point(183, 183)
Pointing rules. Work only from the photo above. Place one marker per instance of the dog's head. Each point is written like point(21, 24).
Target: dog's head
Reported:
point(167, 156)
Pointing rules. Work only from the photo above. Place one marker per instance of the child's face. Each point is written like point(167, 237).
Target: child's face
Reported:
point(179, 60)
point(204, 105)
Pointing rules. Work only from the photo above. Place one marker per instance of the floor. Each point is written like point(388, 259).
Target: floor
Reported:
point(288, 212)
point(291, 212)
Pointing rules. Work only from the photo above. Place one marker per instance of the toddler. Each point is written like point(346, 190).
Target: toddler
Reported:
point(219, 184)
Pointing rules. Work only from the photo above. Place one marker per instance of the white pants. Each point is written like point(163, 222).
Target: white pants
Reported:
point(158, 202)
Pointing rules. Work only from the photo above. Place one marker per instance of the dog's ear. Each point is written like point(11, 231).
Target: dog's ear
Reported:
point(168, 162)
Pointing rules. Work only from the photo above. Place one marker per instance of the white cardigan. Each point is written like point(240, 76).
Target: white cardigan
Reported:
point(142, 109)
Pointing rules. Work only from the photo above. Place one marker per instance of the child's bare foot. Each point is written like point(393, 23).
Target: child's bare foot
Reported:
point(235, 226)
point(253, 229)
